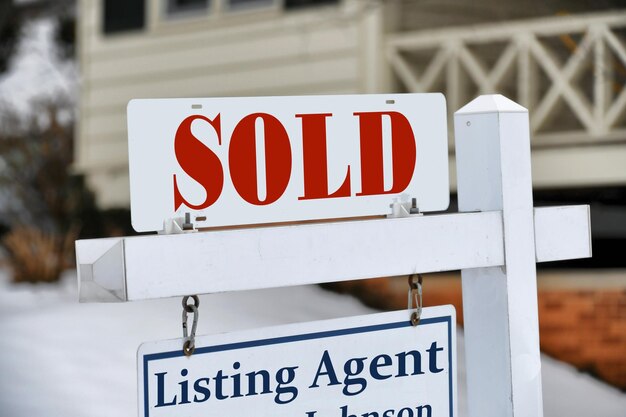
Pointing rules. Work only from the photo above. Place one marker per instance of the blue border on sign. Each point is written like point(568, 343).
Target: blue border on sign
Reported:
point(299, 338)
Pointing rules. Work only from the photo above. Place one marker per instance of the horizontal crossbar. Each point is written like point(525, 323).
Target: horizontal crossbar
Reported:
point(156, 266)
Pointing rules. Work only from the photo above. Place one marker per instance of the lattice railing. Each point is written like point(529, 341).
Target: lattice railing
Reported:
point(569, 71)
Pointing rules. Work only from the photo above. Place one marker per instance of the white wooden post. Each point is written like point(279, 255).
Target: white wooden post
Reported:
point(500, 303)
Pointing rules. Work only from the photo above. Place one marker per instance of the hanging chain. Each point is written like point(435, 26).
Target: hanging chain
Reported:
point(189, 340)
point(415, 294)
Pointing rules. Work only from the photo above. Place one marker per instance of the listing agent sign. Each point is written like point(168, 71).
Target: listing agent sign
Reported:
point(375, 365)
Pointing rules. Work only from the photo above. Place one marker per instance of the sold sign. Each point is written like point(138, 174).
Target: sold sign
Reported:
point(233, 161)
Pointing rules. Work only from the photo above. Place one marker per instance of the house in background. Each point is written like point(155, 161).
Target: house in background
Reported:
point(565, 61)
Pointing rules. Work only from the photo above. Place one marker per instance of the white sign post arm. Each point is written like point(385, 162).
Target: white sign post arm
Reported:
point(155, 266)
point(500, 303)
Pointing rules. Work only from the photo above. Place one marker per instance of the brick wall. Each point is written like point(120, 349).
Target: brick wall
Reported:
point(586, 328)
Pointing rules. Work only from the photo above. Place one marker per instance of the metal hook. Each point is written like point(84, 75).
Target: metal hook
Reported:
point(415, 294)
point(189, 343)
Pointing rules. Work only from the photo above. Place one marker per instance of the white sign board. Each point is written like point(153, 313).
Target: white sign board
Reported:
point(232, 161)
point(376, 364)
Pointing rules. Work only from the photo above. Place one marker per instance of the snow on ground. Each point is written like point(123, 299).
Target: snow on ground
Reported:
point(36, 71)
point(59, 358)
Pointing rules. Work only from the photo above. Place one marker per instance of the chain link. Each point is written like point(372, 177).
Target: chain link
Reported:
point(415, 294)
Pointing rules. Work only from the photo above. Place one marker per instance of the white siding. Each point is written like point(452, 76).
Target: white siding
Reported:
point(315, 51)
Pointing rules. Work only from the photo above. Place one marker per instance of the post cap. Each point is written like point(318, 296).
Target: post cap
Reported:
point(491, 103)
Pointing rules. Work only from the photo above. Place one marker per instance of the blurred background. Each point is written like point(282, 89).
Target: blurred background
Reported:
point(68, 69)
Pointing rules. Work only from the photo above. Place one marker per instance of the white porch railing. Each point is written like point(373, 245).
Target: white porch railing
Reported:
point(569, 71)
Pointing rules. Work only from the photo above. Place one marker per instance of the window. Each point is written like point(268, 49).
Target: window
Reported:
point(123, 15)
point(215, 9)
point(186, 6)
point(248, 4)
point(297, 4)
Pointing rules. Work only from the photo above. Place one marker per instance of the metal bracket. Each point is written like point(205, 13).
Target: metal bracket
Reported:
point(177, 225)
point(403, 208)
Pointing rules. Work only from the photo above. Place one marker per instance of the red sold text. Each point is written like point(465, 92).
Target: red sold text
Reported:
point(205, 167)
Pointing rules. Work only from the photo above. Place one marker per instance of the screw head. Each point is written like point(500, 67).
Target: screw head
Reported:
point(188, 348)
point(415, 319)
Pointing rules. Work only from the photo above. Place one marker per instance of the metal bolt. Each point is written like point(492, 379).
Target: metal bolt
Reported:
point(187, 225)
